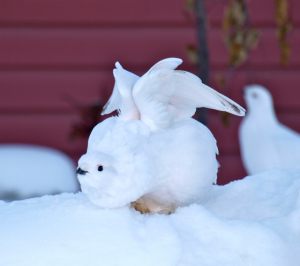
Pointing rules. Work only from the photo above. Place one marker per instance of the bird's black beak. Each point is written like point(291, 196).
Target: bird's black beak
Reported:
point(79, 171)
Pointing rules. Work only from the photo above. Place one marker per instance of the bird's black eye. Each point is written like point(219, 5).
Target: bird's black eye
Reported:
point(254, 95)
point(100, 168)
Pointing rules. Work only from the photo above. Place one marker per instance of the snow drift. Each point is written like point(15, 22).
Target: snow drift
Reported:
point(254, 222)
point(30, 170)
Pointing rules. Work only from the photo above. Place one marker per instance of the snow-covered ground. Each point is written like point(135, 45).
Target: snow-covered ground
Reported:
point(255, 221)
point(29, 171)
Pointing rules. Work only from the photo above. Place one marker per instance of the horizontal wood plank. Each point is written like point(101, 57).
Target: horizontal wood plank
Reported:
point(227, 134)
point(53, 90)
point(41, 127)
point(90, 47)
point(260, 13)
point(91, 11)
point(56, 90)
point(283, 85)
point(100, 48)
point(231, 168)
point(294, 7)
point(134, 12)
point(265, 55)
point(51, 130)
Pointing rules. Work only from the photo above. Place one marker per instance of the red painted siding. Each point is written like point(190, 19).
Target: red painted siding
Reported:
point(52, 51)
point(137, 47)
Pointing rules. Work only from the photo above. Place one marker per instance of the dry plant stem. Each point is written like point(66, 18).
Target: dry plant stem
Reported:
point(283, 27)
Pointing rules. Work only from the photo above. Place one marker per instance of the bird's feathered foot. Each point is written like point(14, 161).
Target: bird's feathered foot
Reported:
point(145, 205)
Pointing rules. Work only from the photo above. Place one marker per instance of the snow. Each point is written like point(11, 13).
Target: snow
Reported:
point(254, 222)
point(28, 170)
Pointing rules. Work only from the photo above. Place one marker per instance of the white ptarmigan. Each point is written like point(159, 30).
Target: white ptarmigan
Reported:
point(264, 142)
point(153, 153)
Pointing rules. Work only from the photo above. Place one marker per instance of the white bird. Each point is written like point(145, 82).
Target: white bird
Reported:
point(265, 143)
point(153, 152)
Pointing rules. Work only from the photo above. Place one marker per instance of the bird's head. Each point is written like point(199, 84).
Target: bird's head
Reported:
point(258, 99)
point(109, 182)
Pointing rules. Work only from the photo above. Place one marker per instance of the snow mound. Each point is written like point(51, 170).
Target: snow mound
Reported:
point(254, 222)
point(29, 170)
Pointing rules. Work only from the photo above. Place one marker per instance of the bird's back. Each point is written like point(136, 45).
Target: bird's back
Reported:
point(266, 146)
point(188, 150)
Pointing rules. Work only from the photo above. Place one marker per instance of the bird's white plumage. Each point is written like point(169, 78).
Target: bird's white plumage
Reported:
point(121, 98)
point(265, 142)
point(160, 153)
point(164, 95)
point(168, 63)
point(165, 165)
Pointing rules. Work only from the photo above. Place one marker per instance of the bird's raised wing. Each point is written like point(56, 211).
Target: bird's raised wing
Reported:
point(164, 95)
point(168, 63)
point(121, 97)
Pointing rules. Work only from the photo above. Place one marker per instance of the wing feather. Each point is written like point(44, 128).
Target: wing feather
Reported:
point(168, 63)
point(122, 91)
point(113, 103)
point(164, 95)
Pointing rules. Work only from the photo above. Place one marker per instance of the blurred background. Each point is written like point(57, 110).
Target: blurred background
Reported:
point(57, 56)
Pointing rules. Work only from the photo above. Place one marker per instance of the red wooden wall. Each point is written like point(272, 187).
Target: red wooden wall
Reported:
point(52, 50)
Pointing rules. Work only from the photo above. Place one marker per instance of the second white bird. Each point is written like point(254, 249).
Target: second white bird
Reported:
point(266, 143)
